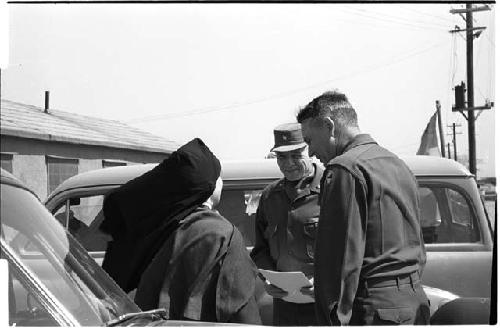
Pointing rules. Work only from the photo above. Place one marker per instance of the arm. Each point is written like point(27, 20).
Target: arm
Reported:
point(261, 254)
point(340, 246)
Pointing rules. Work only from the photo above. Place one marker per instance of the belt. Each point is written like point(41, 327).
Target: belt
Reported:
point(411, 278)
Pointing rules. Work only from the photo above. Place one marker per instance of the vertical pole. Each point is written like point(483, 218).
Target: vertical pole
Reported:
point(441, 135)
point(454, 142)
point(449, 151)
point(46, 102)
point(470, 91)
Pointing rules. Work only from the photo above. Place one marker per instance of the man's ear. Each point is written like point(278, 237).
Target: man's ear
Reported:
point(329, 124)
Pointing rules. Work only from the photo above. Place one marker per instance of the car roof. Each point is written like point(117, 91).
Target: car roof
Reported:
point(422, 165)
point(256, 169)
point(8, 178)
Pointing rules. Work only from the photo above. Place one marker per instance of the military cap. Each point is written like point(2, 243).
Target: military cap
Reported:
point(288, 137)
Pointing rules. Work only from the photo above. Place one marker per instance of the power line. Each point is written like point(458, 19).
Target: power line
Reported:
point(381, 24)
point(454, 57)
point(212, 109)
point(488, 38)
point(427, 14)
point(377, 18)
point(392, 18)
point(452, 71)
point(399, 18)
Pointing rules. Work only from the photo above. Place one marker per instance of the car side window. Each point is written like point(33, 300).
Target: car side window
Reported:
point(446, 217)
point(24, 308)
point(459, 208)
point(239, 207)
point(83, 219)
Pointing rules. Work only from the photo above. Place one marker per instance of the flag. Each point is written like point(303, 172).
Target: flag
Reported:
point(429, 141)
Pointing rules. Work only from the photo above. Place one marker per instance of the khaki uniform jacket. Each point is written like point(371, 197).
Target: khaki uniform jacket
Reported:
point(286, 224)
point(369, 226)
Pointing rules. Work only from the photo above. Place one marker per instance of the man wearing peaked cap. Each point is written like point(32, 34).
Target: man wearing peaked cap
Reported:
point(286, 221)
point(288, 137)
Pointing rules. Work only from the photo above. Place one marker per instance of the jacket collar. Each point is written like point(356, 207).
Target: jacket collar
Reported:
point(316, 182)
point(307, 187)
point(360, 139)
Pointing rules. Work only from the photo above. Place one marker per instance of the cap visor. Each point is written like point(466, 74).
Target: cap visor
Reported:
point(289, 147)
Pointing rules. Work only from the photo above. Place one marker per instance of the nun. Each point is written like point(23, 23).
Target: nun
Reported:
point(173, 248)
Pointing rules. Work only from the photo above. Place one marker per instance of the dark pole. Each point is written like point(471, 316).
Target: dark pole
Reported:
point(454, 142)
point(449, 151)
point(441, 135)
point(470, 91)
point(46, 102)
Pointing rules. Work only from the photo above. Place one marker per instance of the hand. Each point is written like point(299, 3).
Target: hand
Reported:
point(308, 290)
point(274, 290)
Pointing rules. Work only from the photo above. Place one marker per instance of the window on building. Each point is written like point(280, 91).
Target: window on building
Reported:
point(6, 161)
point(60, 169)
point(111, 163)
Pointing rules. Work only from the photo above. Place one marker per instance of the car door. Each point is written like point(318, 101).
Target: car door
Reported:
point(457, 237)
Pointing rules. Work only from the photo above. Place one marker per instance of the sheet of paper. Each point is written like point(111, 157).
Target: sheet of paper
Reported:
point(291, 282)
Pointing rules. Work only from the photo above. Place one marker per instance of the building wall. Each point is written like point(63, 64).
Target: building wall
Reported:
point(29, 158)
point(32, 170)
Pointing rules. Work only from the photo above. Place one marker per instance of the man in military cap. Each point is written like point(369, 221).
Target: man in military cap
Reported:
point(286, 222)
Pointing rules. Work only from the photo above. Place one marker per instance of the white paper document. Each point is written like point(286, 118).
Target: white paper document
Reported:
point(291, 282)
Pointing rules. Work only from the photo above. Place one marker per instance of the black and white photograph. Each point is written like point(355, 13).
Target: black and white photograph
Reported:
point(208, 163)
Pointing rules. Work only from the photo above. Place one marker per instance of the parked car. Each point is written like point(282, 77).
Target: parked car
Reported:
point(52, 280)
point(456, 230)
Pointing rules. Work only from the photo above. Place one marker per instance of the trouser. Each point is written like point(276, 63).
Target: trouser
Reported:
point(293, 314)
point(391, 301)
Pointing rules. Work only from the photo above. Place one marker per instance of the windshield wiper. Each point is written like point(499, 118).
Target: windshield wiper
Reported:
point(149, 316)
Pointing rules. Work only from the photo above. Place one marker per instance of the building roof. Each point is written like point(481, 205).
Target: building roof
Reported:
point(26, 121)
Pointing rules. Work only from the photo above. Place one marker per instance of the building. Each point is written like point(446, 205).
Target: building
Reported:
point(43, 147)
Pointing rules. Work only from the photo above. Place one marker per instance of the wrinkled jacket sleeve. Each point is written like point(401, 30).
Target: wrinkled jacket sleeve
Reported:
point(236, 300)
point(261, 253)
point(340, 246)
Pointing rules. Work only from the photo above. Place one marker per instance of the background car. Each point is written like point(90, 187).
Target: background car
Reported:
point(457, 233)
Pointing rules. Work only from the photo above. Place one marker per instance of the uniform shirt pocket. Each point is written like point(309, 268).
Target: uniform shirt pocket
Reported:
point(310, 229)
point(393, 316)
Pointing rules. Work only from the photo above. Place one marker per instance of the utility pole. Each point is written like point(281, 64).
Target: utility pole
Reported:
point(440, 125)
point(470, 90)
point(454, 126)
point(459, 106)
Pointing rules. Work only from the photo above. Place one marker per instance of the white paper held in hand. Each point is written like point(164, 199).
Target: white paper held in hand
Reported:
point(291, 282)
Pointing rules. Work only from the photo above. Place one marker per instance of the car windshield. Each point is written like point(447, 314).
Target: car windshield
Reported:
point(41, 247)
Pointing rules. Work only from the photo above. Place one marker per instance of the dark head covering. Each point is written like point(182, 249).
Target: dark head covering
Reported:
point(143, 213)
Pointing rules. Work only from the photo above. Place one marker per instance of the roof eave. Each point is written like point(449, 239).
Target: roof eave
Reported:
point(51, 137)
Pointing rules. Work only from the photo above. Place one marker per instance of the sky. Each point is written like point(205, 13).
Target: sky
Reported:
point(230, 73)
